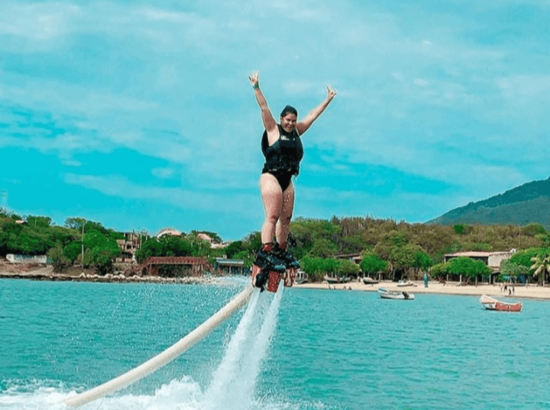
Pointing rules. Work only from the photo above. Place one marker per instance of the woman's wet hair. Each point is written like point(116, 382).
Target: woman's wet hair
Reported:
point(289, 110)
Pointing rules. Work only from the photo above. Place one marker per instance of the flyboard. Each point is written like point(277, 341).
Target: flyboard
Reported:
point(269, 279)
point(163, 358)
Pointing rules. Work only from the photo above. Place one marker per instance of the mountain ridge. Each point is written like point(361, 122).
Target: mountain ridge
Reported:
point(527, 203)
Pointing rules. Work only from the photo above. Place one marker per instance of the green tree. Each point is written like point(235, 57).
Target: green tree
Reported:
point(512, 270)
point(323, 248)
point(318, 267)
point(167, 245)
point(101, 250)
point(533, 229)
point(313, 267)
point(59, 261)
point(468, 267)
point(371, 264)
point(440, 270)
point(102, 259)
point(233, 248)
point(72, 251)
point(349, 268)
point(75, 223)
point(422, 261)
point(199, 247)
point(524, 257)
point(246, 256)
point(39, 221)
point(540, 267)
point(460, 229)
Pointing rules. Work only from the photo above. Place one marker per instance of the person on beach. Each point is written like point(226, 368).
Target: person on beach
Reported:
point(283, 151)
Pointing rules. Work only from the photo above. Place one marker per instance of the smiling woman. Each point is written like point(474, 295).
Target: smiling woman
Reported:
point(283, 151)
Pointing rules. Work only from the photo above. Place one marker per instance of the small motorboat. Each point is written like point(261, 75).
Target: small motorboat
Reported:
point(394, 294)
point(369, 281)
point(494, 304)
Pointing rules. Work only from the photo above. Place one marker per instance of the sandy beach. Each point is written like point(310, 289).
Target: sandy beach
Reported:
point(521, 291)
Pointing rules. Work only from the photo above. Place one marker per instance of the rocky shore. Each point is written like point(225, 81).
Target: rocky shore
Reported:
point(43, 272)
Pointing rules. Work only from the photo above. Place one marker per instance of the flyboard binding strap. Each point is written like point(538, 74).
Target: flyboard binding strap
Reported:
point(269, 280)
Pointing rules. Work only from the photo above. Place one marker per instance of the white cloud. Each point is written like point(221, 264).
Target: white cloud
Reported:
point(118, 186)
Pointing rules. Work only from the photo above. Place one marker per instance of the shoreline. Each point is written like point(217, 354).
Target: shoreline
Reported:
point(532, 291)
point(451, 288)
point(47, 274)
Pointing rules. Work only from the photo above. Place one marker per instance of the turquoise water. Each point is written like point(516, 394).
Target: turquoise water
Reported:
point(310, 349)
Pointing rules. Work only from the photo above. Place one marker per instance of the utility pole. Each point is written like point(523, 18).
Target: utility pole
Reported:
point(82, 261)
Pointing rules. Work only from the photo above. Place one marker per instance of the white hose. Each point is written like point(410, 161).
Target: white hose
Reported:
point(161, 359)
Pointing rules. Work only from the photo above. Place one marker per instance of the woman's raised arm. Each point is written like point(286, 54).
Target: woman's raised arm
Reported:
point(304, 124)
point(267, 118)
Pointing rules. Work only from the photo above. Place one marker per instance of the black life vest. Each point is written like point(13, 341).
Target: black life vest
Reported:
point(285, 154)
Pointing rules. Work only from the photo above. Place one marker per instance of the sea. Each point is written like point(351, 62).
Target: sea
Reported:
point(298, 349)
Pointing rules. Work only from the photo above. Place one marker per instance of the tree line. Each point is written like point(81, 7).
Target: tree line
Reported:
point(387, 247)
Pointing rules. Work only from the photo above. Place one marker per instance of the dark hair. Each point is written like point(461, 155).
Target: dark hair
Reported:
point(289, 110)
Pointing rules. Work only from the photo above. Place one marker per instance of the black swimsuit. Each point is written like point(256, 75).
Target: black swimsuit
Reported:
point(282, 159)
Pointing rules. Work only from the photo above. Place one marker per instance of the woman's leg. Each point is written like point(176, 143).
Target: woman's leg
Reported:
point(285, 216)
point(272, 196)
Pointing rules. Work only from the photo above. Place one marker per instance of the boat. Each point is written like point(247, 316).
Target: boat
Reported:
point(332, 280)
point(369, 281)
point(301, 277)
point(494, 304)
point(405, 282)
point(395, 294)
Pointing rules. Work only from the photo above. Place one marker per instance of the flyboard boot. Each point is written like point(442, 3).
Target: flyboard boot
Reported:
point(291, 263)
point(268, 270)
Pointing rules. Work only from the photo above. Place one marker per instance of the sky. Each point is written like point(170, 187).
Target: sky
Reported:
point(140, 115)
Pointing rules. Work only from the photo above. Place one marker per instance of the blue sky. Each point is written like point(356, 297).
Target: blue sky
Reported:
point(140, 114)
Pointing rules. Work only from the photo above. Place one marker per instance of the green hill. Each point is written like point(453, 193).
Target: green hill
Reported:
point(528, 203)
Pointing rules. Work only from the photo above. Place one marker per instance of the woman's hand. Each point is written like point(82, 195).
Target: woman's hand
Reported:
point(254, 79)
point(331, 93)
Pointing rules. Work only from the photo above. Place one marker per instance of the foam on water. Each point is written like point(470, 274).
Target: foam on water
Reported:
point(232, 386)
point(234, 380)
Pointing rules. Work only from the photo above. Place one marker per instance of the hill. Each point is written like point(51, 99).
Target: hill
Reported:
point(527, 203)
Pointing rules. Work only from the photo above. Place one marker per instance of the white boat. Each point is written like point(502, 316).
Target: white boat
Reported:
point(490, 303)
point(301, 277)
point(405, 282)
point(394, 294)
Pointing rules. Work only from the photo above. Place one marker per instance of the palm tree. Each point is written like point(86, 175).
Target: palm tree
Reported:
point(541, 265)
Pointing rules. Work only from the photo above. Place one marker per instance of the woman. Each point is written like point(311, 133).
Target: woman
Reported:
point(282, 148)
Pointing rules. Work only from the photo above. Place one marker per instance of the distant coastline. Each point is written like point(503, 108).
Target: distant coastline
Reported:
point(532, 291)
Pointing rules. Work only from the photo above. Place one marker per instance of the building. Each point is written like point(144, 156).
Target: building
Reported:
point(168, 231)
point(230, 266)
point(213, 245)
point(129, 246)
point(491, 259)
point(352, 257)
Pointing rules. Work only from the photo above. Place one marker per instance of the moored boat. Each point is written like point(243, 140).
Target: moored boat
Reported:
point(494, 304)
point(393, 294)
point(405, 282)
point(369, 281)
point(301, 277)
point(331, 280)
